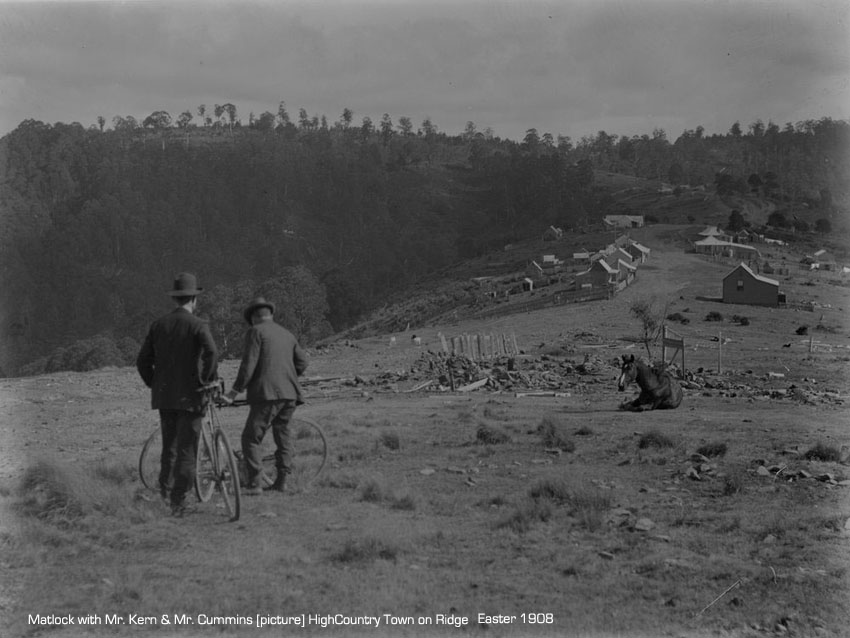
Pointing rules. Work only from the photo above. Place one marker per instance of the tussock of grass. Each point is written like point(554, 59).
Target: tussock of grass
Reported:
point(491, 436)
point(525, 516)
point(552, 437)
point(712, 449)
point(63, 494)
point(372, 491)
point(822, 452)
point(550, 489)
point(584, 430)
point(589, 507)
point(340, 481)
point(733, 482)
point(403, 502)
point(375, 491)
point(365, 550)
point(390, 440)
point(654, 438)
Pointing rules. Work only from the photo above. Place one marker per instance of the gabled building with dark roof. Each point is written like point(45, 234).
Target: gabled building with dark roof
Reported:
point(743, 286)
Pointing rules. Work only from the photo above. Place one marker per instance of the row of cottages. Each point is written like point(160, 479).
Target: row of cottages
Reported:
point(743, 286)
point(623, 221)
point(613, 267)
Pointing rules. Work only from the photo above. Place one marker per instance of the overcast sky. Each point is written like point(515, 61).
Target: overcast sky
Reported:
point(571, 67)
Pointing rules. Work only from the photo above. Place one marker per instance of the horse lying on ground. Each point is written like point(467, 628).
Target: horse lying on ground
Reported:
point(658, 391)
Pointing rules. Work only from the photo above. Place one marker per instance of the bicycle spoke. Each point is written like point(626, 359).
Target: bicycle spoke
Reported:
point(205, 474)
point(228, 475)
point(149, 460)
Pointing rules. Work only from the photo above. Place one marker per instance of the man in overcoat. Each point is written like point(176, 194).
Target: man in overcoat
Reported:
point(177, 357)
point(272, 361)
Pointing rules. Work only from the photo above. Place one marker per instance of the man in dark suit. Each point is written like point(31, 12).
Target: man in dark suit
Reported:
point(178, 357)
point(272, 361)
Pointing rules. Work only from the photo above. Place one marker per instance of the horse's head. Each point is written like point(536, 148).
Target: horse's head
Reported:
point(628, 372)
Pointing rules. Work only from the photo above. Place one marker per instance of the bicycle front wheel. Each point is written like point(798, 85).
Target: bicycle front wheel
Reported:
point(227, 475)
point(149, 460)
point(205, 473)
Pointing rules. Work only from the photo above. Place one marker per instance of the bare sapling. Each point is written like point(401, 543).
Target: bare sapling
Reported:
point(651, 321)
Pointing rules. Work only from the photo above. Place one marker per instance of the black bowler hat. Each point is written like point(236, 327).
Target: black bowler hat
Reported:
point(185, 285)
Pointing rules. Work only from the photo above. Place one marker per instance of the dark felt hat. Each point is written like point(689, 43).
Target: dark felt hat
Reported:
point(258, 302)
point(185, 285)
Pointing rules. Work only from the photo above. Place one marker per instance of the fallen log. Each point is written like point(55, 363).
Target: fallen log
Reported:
point(474, 385)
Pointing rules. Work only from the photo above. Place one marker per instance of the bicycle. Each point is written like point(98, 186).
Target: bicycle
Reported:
point(216, 468)
point(309, 453)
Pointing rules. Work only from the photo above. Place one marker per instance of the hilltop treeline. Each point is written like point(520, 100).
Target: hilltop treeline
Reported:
point(328, 220)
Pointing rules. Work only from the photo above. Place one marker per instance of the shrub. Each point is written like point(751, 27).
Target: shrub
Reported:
point(822, 452)
point(490, 436)
point(744, 321)
point(714, 316)
point(679, 317)
point(802, 330)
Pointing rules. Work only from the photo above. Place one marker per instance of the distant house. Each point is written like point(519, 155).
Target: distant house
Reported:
point(743, 286)
point(714, 246)
point(825, 260)
point(599, 275)
point(551, 265)
point(534, 271)
point(743, 236)
point(623, 221)
point(639, 252)
point(582, 255)
point(622, 253)
point(552, 234)
point(714, 231)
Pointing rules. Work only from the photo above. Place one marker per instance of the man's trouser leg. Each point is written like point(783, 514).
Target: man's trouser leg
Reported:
point(282, 438)
point(259, 419)
point(168, 428)
point(188, 428)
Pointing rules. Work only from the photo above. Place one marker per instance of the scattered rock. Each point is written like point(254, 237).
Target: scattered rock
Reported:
point(644, 525)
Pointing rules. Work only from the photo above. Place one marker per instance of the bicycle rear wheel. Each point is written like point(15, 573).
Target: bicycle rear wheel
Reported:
point(227, 475)
point(309, 454)
point(149, 461)
point(204, 467)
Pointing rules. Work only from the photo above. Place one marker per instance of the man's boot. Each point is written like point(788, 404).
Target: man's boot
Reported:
point(278, 484)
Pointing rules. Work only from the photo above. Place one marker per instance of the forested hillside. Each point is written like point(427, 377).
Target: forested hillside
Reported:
point(327, 219)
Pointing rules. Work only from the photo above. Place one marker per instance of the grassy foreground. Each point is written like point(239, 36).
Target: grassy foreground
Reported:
point(438, 509)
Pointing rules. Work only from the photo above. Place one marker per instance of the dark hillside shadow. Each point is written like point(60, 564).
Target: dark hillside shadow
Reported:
point(713, 299)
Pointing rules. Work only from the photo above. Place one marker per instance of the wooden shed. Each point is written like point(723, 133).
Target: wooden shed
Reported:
point(743, 286)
